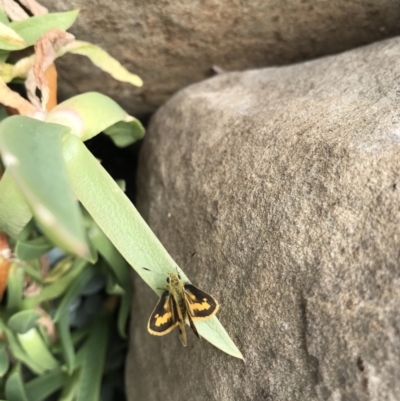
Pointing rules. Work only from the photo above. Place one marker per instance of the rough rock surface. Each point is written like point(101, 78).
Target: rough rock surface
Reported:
point(286, 182)
point(172, 44)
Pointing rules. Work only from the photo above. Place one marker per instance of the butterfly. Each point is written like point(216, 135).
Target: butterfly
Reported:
point(179, 303)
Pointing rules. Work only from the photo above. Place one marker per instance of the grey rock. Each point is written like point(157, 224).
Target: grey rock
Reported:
point(286, 181)
point(172, 44)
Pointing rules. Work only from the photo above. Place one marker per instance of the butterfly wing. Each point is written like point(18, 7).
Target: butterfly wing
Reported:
point(189, 316)
point(164, 317)
point(199, 304)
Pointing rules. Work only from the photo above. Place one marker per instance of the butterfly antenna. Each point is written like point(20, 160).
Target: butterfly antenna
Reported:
point(149, 270)
point(190, 259)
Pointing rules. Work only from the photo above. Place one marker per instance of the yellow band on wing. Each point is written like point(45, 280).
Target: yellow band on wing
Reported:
point(162, 319)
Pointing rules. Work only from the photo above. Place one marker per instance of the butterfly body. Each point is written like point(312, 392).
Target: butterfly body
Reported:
point(180, 303)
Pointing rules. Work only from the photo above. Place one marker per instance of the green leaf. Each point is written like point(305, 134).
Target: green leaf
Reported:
point(6, 72)
point(3, 111)
point(15, 390)
point(61, 268)
point(9, 39)
point(4, 55)
point(123, 313)
point(27, 231)
point(32, 28)
point(66, 344)
point(33, 270)
point(77, 336)
point(213, 331)
point(112, 287)
point(107, 250)
point(57, 288)
point(15, 287)
point(123, 225)
point(23, 321)
point(81, 356)
point(14, 211)
point(18, 352)
point(103, 60)
point(73, 291)
point(3, 16)
point(124, 302)
point(89, 114)
point(121, 184)
point(92, 367)
point(70, 389)
point(28, 250)
point(32, 152)
point(35, 347)
point(125, 133)
point(4, 362)
point(43, 386)
point(116, 216)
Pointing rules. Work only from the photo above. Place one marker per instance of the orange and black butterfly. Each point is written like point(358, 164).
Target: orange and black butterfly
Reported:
point(180, 303)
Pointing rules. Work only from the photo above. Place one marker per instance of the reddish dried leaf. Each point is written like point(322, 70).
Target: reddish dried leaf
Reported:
point(34, 7)
point(5, 255)
point(51, 75)
point(4, 270)
point(13, 10)
point(16, 101)
point(45, 49)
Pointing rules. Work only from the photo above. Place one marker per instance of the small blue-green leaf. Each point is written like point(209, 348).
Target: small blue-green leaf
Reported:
point(9, 39)
point(70, 388)
point(3, 17)
point(40, 388)
point(15, 286)
point(33, 28)
point(4, 362)
point(32, 269)
point(15, 390)
point(23, 321)
point(18, 352)
point(66, 344)
point(32, 152)
point(88, 114)
point(27, 231)
point(105, 247)
point(125, 133)
point(123, 313)
point(124, 302)
point(121, 184)
point(103, 60)
point(92, 366)
point(14, 211)
point(3, 111)
point(62, 267)
point(35, 347)
point(77, 336)
point(73, 291)
point(32, 249)
point(57, 288)
point(4, 56)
